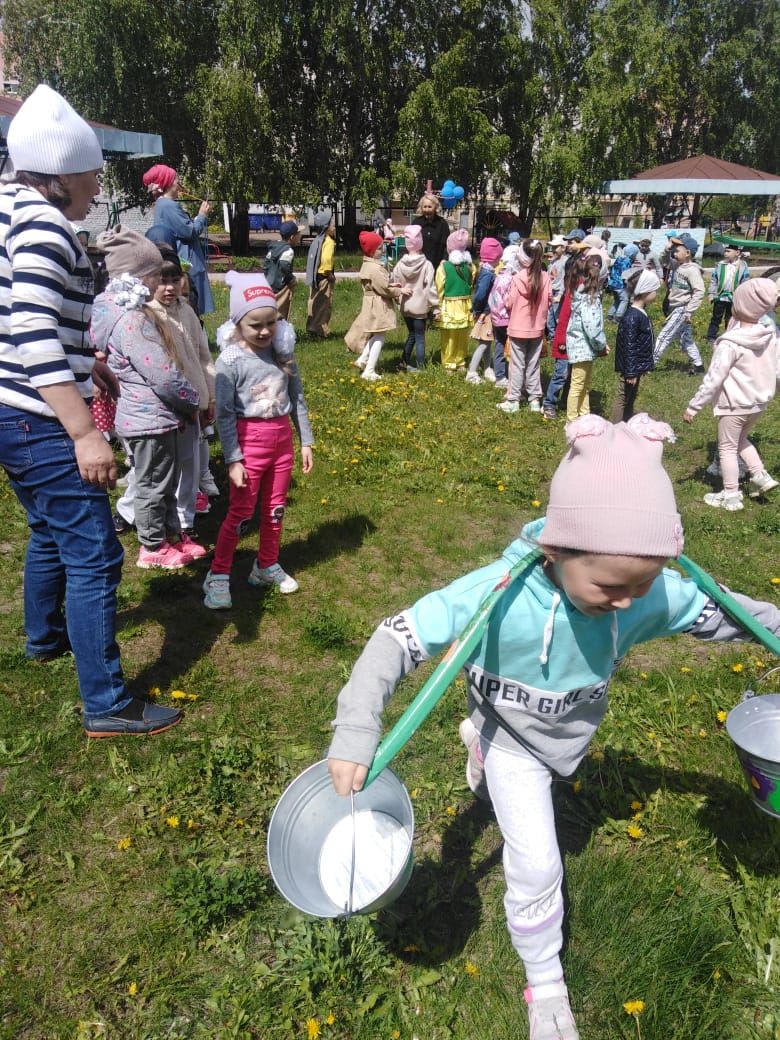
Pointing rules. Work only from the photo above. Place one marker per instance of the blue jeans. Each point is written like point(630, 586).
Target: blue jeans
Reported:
point(74, 559)
point(500, 364)
point(416, 339)
point(557, 382)
point(619, 304)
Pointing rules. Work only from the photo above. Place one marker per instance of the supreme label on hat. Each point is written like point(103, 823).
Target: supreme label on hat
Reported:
point(254, 291)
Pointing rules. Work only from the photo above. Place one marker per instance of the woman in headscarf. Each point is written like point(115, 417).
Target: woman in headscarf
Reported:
point(162, 182)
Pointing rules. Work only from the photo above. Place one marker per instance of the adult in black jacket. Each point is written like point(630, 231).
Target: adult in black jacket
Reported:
point(435, 229)
point(634, 344)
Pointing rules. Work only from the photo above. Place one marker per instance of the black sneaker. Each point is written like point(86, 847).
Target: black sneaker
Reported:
point(696, 370)
point(121, 525)
point(138, 718)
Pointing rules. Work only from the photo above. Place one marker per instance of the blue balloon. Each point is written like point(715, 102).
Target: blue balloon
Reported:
point(446, 188)
point(459, 192)
point(447, 193)
point(448, 201)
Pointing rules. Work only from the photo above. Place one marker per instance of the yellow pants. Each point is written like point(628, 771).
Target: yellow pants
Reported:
point(578, 402)
point(454, 347)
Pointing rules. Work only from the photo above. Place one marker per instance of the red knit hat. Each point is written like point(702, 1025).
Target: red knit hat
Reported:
point(369, 241)
point(159, 178)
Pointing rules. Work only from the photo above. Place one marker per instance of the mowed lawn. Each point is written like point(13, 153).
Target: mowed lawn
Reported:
point(135, 896)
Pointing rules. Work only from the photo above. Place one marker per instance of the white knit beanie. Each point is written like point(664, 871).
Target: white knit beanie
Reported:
point(47, 136)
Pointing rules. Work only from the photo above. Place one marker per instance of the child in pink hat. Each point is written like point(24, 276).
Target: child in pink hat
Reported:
point(454, 281)
point(415, 273)
point(538, 682)
point(490, 252)
point(740, 384)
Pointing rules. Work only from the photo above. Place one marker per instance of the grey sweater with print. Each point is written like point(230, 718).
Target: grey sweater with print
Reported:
point(254, 386)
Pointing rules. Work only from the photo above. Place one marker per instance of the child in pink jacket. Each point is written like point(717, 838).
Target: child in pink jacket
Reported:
point(528, 301)
point(740, 383)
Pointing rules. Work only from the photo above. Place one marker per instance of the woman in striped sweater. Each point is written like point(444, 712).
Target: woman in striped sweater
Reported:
point(58, 463)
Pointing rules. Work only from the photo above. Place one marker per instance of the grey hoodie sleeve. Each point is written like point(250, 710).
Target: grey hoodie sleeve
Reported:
point(299, 409)
point(358, 723)
point(714, 624)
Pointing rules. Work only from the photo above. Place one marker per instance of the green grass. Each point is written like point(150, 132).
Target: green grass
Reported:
point(136, 900)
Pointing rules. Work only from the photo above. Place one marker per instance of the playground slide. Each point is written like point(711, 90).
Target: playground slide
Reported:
point(759, 245)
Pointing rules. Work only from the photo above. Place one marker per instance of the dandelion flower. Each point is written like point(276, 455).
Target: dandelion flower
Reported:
point(634, 831)
point(702, 733)
point(132, 989)
point(440, 501)
point(172, 821)
point(155, 691)
point(451, 810)
point(577, 786)
point(721, 716)
point(716, 975)
point(330, 1019)
point(776, 581)
point(191, 825)
point(395, 1035)
point(643, 675)
point(685, 670)
point(536, 503)
point(312, 1028)
point(597, 756)
point(634, 1007)
point(412, 948)
point(124, 844)
point(501, 487)
point(471, 969)
point(323, 501)
point(737, 668)
point(178, 695)
point(636, 805)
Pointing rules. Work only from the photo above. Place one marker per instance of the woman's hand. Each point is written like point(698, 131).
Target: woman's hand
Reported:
point(307, 458)
point(237, 474)
point(205, 209)
point(688, 415)
point(105, 379)
point(346, 776)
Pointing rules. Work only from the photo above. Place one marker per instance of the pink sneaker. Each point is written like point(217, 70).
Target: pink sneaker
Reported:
point(191, 548)
point(166, 556)
point(202, 504)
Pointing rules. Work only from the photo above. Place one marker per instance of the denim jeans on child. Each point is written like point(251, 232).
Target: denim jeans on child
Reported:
point(268, 459)
point(619, 304)
point(416, 339)
point(500, 363)
point(74, 559)
point(557, 382)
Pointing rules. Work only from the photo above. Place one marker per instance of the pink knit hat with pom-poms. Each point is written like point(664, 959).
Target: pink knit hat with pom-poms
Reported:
point(611, 493)
point(457, 240)
point(490, 250)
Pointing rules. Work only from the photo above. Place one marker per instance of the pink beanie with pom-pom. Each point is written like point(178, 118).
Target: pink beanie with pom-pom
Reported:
point(490, 250)
point(611, 493)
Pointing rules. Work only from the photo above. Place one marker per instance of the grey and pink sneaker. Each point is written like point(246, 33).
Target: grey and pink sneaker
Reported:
point(475, 768)
point(549, 1013)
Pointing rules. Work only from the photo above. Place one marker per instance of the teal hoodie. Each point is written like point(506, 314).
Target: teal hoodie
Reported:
point(543, 664)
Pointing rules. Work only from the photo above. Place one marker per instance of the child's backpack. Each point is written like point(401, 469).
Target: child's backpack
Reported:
point(272, 269)
point(615, 280)
point(497, 297)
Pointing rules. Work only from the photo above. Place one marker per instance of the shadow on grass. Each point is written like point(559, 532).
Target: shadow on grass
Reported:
point(174, 601)
point(441, 907)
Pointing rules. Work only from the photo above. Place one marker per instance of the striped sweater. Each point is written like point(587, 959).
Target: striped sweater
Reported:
point(46, 289)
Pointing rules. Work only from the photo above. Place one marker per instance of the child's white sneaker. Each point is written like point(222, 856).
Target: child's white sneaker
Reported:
point(502, 383)
point(265, 577)
point(475, 769)
point(510, 407)
point(549, 1013)
point(534, 405)
point(371, 376)
point(489, 376)
point(360, 362)
point(473, 377)
point(730, 501)
point(760, 484)
point(216, 590)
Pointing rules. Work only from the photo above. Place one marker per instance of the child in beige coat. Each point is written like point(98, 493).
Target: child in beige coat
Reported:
point(377, 314)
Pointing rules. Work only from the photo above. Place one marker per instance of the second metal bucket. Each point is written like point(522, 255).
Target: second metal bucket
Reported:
point(754, 727)
point(314, 833)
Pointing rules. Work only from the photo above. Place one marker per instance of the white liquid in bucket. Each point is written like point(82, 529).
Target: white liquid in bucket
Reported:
point(382, 846)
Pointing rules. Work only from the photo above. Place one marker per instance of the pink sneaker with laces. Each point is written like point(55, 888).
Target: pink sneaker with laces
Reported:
point(549, 1013)
point(202, 504)
point(166, 556)
point(192, 548)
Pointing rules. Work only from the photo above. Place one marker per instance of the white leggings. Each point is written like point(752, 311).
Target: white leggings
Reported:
point(520, 788)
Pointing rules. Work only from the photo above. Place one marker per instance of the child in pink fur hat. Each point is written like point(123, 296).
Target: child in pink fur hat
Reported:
point(538, 682)
point(490, 252)
point(454, 281)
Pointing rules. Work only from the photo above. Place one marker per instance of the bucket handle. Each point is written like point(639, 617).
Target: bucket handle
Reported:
point(434, 689)
point(749, 694)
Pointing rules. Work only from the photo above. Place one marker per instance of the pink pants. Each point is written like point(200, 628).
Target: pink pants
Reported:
point(733, 440)
point(268, 459)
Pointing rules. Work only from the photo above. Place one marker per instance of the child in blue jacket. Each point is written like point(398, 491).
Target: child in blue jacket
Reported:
point(538, 683)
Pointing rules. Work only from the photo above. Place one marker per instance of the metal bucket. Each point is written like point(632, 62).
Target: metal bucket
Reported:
point(331, 855)
point(754, 727)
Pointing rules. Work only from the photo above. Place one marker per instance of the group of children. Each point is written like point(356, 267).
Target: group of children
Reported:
point(171, 390)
